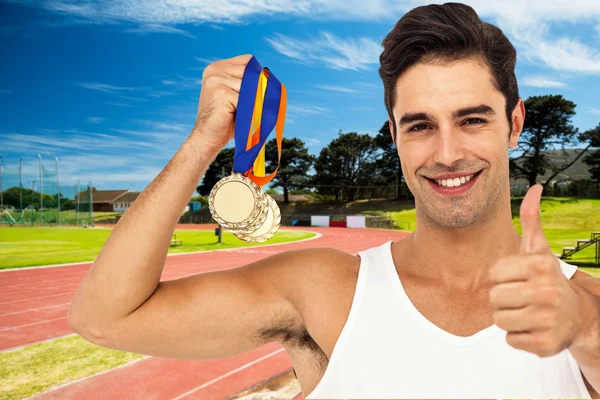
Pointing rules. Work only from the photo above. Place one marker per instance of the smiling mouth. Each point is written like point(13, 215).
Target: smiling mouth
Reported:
point(454, 182)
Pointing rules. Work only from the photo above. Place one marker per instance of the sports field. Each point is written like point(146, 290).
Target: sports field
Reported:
point(564, 220)
point(31, 246)
point(39, 352)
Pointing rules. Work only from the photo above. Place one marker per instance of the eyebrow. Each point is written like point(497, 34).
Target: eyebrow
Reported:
point(407, 118)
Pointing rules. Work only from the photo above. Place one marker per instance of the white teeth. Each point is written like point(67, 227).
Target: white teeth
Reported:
point(454, 182)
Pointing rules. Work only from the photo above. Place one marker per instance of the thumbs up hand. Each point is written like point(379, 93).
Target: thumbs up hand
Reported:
point(531, 298)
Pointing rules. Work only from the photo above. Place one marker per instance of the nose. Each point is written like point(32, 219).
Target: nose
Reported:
point(448, 146)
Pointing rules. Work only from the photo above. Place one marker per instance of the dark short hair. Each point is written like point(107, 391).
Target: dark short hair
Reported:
point(444, 34)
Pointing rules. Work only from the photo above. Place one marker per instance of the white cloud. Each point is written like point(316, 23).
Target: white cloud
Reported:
point(165, 126)
point(119, 91)
point(543, 82)
point(563, 54)
point(330, 50)
point(336, 88)
point(527, 23)
point(103, 87)
point(206, 60)
point(148, 28)
point(180, 82)
point(130, 98)
point(95, 120)
point(108, 160)
point(160, 93)
point(159, 136)
point(306, 109)
point(594, 110)
point(112, 103)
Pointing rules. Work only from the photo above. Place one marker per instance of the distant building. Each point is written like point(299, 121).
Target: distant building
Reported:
point(109, 200)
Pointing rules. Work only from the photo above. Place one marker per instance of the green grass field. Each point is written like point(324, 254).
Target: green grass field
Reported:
point(67, 217)
point(32, 246)
point(36, 368)
point(564, 220)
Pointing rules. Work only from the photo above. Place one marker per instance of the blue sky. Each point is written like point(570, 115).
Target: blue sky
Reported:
point(111, 87)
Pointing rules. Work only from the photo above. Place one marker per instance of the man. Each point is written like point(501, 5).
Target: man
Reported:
point(463, 307)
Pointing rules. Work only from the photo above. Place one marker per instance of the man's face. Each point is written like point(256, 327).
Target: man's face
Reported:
point(453, 139)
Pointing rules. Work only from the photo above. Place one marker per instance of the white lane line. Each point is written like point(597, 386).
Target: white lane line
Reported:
point(34, 309)
point(39, 297)
point(227, 374)
point(54, 389)
point(19, 347)
point(33, 323)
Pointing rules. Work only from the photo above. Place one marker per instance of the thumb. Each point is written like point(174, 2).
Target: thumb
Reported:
point(533, 239)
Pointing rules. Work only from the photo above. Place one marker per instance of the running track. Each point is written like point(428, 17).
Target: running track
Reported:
point(34, 302)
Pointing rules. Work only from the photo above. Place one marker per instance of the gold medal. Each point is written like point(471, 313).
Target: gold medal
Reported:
point(268, 227)
point(237, 203)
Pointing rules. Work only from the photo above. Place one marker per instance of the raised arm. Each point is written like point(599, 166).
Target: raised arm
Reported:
point(121, 302)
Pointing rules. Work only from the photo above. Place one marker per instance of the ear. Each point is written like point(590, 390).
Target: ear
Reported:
point(518, 120)
point(391, 126)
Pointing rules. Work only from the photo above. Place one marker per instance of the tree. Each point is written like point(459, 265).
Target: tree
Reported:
point(219, 168)
point(387, 167)
point(343, 165)
point(293, 167)
point(593, 159)
point(548, 124)
point(12, 195)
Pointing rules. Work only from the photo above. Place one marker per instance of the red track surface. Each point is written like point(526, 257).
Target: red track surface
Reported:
point(34, 302)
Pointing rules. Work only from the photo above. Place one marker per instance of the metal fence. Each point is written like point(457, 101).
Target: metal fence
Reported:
point(38, 197)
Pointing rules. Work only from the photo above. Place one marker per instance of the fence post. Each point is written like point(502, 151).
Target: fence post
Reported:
point(1, 194)
point(21, 189)
point(57, 191)
point(91, 204)
point(41, 193)
point(77, 205)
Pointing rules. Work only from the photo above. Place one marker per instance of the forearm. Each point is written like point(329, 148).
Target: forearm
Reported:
point(128, 269)
point(586, 348)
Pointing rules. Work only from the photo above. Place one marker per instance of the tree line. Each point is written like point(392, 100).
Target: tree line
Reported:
point(356, 166)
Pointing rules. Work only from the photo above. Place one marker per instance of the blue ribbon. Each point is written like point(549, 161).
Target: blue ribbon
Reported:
point(243, 159)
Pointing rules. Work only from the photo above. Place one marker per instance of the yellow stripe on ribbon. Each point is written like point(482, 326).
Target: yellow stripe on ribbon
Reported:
point(259, 168)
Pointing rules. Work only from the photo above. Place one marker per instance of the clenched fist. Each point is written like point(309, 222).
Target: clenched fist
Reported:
point(221, 82)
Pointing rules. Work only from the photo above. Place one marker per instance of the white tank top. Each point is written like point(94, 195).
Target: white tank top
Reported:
point(388, 349)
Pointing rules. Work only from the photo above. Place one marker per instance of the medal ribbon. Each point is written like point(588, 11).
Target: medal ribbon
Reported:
point(261, 107)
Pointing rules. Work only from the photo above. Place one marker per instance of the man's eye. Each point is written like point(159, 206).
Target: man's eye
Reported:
point(412, 129)
point(477, 121)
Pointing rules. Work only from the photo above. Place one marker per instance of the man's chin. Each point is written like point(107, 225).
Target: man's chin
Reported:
point(456, 222)
point(455, 219)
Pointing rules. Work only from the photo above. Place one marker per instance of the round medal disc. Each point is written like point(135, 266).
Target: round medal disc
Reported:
point(268, 227)
point(237, 203)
